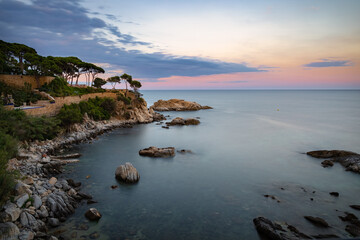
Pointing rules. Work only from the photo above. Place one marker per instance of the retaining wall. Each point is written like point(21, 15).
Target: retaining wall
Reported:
point(54, 108)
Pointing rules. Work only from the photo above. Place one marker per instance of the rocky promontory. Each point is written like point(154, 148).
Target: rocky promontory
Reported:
point(177, 105)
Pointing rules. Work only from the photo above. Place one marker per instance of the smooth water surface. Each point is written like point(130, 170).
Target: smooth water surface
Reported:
point(250, 144)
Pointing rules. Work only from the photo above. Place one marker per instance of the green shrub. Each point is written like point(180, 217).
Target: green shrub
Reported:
point(22, 127)
point(60, 88)
point(70, 114)
point(8, 149)
point(126, 100)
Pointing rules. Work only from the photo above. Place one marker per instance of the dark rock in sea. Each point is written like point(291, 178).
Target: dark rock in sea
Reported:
point(317, 221)
point(73, 184)
point(93, 214)
point(335, 194)
point(325, 236)
point(330, 153)
point(91, 201)
point(272, 197)
point(166, 127)
point(311, 199)
point(158, 152)
point(275, 231)
point(114, 186)
point(353, 230)
point(127, 173)
point(180, 121)
point(349, 160)
point(349, 217)
point(356, 207)
point(84, 195)
point(327, 163)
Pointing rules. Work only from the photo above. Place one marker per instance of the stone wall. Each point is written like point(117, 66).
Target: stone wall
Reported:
point(19, 80)
point(54, 108)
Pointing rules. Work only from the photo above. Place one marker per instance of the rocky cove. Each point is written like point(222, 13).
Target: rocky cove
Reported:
point(272, 198)
point(41, 201)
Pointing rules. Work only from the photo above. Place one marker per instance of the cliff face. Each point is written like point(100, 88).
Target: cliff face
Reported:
point(137, 111)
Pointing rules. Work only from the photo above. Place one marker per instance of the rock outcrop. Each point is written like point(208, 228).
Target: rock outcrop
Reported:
point(158, 152)
point(275, 231)
point(180, 121)
point(350, 160)
point(177, 105)
point(127, 173)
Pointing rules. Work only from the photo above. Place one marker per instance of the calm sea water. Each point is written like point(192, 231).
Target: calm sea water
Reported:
point(250, 144)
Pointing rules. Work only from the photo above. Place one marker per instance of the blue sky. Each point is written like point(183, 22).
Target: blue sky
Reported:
point(198, 44)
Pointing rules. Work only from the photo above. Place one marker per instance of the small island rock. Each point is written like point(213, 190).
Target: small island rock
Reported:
point(180, 121)
point(93, 214)
point(177, 105)
point(127, 173)
point(157, 152)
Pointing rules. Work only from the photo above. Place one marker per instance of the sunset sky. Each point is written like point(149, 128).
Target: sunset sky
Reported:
point(197, 44)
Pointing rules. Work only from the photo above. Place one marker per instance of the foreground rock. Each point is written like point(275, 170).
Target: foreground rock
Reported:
point(181, 122)
point(350, 160)
point(127, 173)
point(157, 152)
point(177, 105)
point(275, 231)
point(93, 214)
point(8, 231)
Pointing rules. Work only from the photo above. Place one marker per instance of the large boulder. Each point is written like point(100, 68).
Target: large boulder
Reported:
point(177, 105)
point(29, 221)
point(9, 231)
point(60, 204)
point(93, 214)
point(127, 173)
point(158, 152)
point(11, 212)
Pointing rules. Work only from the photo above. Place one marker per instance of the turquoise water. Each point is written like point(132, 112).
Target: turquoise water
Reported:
point(250, 144)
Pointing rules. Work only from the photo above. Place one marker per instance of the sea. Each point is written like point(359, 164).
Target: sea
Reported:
point(252, 143)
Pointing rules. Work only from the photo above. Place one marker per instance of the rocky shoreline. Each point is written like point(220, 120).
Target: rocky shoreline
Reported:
point(41, 201)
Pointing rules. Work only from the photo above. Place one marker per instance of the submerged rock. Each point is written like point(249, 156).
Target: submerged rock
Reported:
point(317, 221)
point(356, 207)
point(275, 231)
point(127, 173)
point(158, 152)
point(327, 163)
point(353, 230)
point(93, 214)
point(177, 105)
point(335, 194)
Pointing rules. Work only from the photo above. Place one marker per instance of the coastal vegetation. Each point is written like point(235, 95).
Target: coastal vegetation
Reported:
point(60, 88)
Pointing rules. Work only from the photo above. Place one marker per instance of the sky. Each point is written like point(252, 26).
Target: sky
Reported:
point(198, 44)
